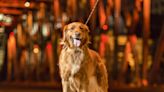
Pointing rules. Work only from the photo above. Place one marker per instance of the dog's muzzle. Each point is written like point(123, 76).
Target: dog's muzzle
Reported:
point(76, 39)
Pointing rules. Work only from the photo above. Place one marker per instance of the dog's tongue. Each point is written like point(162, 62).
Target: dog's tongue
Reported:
point(76, 42)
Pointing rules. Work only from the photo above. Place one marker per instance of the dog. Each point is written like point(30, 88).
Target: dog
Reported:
point(81, 69)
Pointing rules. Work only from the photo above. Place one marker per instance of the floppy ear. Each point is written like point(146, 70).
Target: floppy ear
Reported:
point(64, 33)
point(88, 38)
point(87, 29)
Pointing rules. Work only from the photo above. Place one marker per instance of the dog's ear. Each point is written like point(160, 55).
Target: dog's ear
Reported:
point(64, 34)
point(87, 29)
point(88, 38)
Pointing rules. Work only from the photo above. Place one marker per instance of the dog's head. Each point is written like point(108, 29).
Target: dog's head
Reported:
point(75, 35)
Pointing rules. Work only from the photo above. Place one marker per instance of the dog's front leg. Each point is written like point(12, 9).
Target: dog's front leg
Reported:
point(65, 74)
point(65, 85)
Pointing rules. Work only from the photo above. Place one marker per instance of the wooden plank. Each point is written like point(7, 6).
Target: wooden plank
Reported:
point(18, 5)
point(146, 34)
point(11, 11)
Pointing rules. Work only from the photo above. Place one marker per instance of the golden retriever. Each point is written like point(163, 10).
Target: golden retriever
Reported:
point(81, 69)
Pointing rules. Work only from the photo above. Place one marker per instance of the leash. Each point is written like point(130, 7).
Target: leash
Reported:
point(89, 17)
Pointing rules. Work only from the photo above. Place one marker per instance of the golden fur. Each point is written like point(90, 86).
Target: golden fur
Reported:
point(81, 69)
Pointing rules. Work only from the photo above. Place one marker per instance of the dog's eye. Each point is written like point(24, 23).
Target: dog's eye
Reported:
point(73, 27)
point(81, 28)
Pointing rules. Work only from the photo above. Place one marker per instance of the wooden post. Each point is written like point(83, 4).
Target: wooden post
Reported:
point(109, 7)
point(54, 39)
point(57, 13)
point(41, 12)
point(116, 25)
point(30, 21)
point(93, 18)
point(157, 58)
point(102, 14)
point(11, 57)
point(146, 32)
point(72, 9)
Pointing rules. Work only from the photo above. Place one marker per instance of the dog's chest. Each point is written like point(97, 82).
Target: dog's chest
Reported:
point(75, 59)
point(74, 56)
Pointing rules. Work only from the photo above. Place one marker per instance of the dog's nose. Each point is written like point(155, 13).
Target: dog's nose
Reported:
point(77, 34)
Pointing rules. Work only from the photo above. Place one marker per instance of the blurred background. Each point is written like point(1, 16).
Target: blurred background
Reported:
point(128, 35)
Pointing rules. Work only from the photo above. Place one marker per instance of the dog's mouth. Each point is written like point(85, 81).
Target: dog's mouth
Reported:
point(76, 42)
